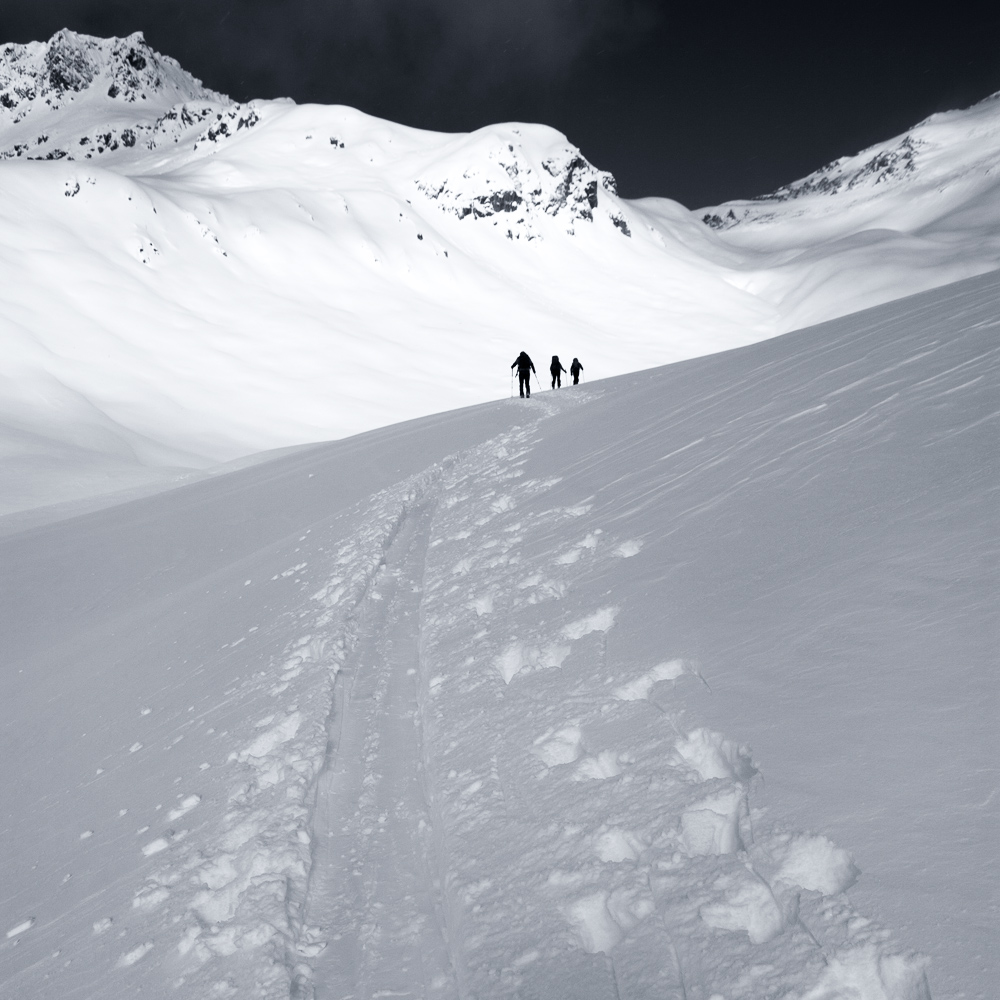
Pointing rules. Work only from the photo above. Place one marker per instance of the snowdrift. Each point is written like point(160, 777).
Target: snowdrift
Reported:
point(188, 280)
point(460, 707)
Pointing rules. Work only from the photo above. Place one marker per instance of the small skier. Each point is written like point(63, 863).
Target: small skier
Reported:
point(524, 367)
point(556, 369)
point(575, 368)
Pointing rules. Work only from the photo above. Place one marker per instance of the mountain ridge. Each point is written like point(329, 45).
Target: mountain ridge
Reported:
point(909, 156)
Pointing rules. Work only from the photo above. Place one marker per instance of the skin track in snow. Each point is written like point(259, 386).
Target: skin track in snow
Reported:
point(202, 686)
point(375, 887)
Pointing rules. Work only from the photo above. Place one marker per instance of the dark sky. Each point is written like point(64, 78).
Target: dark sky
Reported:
point(697, 101)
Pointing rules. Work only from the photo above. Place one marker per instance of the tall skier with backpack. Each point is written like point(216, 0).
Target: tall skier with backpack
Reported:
point(524, 367)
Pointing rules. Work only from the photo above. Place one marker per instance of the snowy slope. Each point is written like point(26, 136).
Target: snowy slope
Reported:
point(187, 280)
point(438, 710)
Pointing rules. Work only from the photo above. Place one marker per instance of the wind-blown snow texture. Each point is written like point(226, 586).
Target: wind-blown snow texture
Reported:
point(435, 711)
point(188, 280)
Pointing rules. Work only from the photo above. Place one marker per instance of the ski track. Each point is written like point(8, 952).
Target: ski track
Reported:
point(477, 797)
point(374, 889)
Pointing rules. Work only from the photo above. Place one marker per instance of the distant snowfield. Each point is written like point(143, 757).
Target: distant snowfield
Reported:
point(678, 684)
point(187, 280)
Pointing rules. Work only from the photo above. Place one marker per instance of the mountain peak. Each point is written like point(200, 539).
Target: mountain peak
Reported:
point(514, 173)
point(48, 75)
point(79, 96)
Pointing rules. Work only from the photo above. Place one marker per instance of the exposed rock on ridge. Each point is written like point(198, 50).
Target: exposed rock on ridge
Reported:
point(126, 69)
point(503, 184)
point(909, 157)
point(128, 86)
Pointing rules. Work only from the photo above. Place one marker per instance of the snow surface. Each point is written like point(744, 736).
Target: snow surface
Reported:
point(464, 707)
point(187, 280)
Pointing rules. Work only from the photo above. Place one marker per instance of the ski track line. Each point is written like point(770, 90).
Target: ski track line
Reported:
point(374, 889)
point(375, 919)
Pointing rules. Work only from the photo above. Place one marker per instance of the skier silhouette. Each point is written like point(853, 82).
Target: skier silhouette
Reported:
point(524, 367)
point(575, 368)
point(555, 369)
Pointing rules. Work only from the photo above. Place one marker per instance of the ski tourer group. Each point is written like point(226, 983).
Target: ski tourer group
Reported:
point(525, 367)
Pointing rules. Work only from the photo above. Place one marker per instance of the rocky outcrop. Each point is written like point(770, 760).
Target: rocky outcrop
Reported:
point(886, 165)
point(497, 179)
point(922, 156)
point(875, 166)
point(946, 149)
point(142, 97)
point(127, 70)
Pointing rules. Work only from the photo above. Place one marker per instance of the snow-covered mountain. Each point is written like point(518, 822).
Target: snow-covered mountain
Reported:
point(460, 707)
point(941, 151)
point(186, 280)
point(922, 206)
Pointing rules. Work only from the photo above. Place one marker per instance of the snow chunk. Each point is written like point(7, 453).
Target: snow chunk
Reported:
point(268, 742)
point(628, 549)
point(711, 755)
point(865, 974)
point(185, 807)
point(601, 919)
point(482, 605)
point(713, 825)
point(133, 956)
point(599, 621)
point(616, 844)
point(593, 924)
point(562, 747)
point(518, 656)
point(817, 864)
point(510, 662)
point(24, 925)
point(640, 688)
point(150, 899)
point(604, 765)
point(751, 906)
